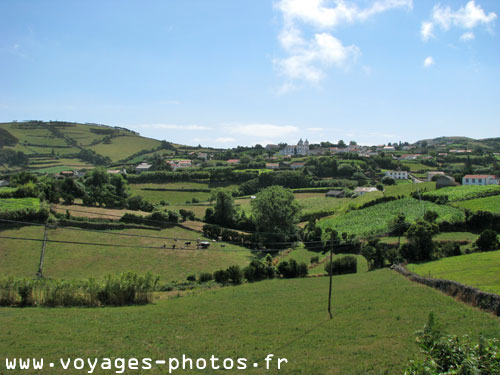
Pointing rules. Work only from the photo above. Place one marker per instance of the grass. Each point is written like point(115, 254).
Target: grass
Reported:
point(124, 146)
point(10, 204)
point(416, 166)
point(445, 236)
point(480, 270)
point(491, 204)
point(372, 330)
point(74, 261)
point(172, 197)
point(462, 193)
point(375, 219)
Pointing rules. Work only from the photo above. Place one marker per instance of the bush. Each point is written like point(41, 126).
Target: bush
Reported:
point(291, 269)
point(191, 278)
point(342, 266)
point(487, 240)
point(450, 249)
point(221, 277)
point(387, 180)
point(235, 275)
point(258, 270)
point(315, 260)
point(205, 277)
point(447, 354)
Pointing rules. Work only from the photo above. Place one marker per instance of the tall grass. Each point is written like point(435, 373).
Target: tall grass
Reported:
point(126, 289)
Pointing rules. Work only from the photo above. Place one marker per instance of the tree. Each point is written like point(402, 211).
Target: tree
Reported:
point(224, 212)
point(420, 246)
point(275, 210)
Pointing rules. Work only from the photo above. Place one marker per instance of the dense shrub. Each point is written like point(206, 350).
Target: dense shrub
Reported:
point(234, 275)
point(292, 269)
point(205, 277)
point(258, 270)
point(346, 264)
point(314, 259)
point(487, 240)
point(447, 354)
point(221, 277)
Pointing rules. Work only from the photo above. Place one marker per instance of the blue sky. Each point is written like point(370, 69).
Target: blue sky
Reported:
point(238, 72)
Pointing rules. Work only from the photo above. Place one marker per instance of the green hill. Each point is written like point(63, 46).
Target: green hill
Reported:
point(46, 143)
point(487, 144)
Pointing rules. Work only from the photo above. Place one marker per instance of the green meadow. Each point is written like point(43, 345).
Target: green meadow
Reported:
point(491, 204)
point(76, 261)
point(375, 315)
point(480, 270)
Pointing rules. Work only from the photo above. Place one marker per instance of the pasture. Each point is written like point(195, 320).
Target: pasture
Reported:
point(78, 261)
point(178, 197)
point(491, 204)
point(375, 315)
point(124, 146)
point(480, 270)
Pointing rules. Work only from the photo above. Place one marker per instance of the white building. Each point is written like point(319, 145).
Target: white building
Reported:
point(397, 175)
point(302, 148)
point(430, 175)
point(480, 179)
point(364, 190)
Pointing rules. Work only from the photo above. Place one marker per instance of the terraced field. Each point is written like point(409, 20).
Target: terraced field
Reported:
point(124, 146)
point(491, 204)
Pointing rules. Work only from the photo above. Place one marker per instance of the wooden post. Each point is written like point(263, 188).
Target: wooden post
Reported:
point(331, 275)
point(42, 255)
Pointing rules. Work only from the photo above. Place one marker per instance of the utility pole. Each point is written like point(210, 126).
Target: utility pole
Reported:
point(331, 275)
point(42, 255)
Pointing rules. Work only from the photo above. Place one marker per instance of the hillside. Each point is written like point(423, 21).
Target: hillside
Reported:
point(490, 144)
point(56, 145)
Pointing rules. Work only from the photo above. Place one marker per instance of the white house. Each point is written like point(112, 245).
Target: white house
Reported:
point(143, 167)
point(302, 148)
point(397, 175)
point(4, 183)
point(364, 190)
point(480, 179)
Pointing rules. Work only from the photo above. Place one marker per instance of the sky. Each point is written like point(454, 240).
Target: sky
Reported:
point(223, 73)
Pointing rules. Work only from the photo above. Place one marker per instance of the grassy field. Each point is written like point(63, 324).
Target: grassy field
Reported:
point(491, 204)
point(74, 261)
point(372, 331)
point(10, 204)
point(462, 193)
point(480, 270)
point(172, 197)
point(375, 219)
point(124, 146)
point(416, 166)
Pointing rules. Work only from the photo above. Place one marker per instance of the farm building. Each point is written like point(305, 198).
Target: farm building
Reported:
point(364, 190)
point(233, 161)
point(445, 181)
point(67, 173)
point(143, 167)
point(4, 183)
point(397, 175)
point(430, 175)
point(480, 179)
point(335, 194)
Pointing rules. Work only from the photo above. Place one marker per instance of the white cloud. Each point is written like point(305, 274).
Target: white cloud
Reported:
point(308, 58)
point(465, 37)
point(426, 31)
point(429, 61)
point(262, 130)
point(176, 127)
point(468, 17)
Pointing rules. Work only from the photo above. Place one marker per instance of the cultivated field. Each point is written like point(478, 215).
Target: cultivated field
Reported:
point(462, 193)
point(375, 219)
point(491, 204)
point(375, 315)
